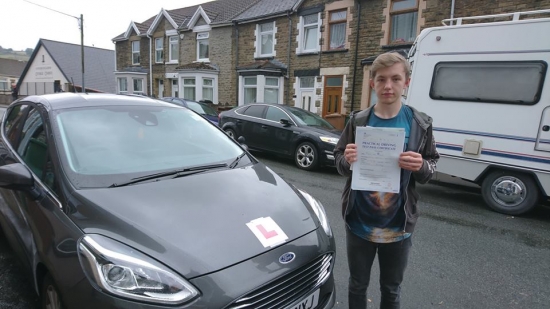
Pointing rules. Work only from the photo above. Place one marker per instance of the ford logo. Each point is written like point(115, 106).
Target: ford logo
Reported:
point(287, 258)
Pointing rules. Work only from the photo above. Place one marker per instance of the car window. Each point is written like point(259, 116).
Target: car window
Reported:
point(275, 114)
point(255, 111)
point(309, 119)
point(33, 149)
point(209, 110)
point(196, 107)
point(100, 146)
point(12, 123)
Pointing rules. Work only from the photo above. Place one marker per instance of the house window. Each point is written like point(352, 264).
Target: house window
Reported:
point(4, 85)
point(174, 48)
point(310, 33)
point(208, 89)
point(122, 85)
point(404, 17)
point(189, 92)
point(138, 85)
point(135, 52)
point(265, 42)
point(337, 29)
point(202, 46)
point(250, 89)
point(159, 50)
point(271, 90)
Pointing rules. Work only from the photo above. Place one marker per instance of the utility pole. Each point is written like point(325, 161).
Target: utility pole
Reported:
point(81, 24)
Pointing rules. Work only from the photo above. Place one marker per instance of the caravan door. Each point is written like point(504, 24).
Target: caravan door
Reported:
point(543, 136)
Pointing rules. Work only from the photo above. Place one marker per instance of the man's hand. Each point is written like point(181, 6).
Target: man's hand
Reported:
point(410, 160)
point(350, 154)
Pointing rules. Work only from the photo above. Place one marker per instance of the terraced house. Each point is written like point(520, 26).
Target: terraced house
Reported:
point(314, 54)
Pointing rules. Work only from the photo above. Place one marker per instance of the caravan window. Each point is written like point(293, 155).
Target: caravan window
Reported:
point(513, 82)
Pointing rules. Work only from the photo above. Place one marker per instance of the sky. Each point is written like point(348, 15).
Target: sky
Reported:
point(23, 23)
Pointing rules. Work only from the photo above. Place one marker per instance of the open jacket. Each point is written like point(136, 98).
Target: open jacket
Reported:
point(420, 140)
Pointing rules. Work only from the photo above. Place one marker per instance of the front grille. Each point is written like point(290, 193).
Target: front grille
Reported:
point(289, 288)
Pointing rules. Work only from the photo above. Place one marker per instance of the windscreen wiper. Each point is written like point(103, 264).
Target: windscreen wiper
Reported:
point(175, 173)
point(236, 161)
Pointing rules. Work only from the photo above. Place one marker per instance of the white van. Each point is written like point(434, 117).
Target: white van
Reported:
point(487, 86)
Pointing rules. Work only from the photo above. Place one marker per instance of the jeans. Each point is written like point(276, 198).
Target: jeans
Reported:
point(392, 258)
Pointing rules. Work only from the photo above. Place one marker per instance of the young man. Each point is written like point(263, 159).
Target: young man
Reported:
point(378, 222)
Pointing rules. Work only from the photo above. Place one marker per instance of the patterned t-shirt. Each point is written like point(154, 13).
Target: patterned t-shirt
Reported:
point(380, 216)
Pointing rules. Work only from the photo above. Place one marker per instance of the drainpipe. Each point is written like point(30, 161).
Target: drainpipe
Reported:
point(150, 67)
point(356, 51)
point(288, 58)
point(236, 61)
point(452, 11)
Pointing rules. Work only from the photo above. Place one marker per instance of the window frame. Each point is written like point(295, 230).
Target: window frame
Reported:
point(340, 21)
point(7, 82)
point(259, 39)
point(194, 86)
point(400, 12)
point(134, 91)
point(205, 37)
point(245, 86)
point(119, 79)
point(208, 87)
point(266, 86)
point(159, 50)
point(170, 45)
point(134, 52)
point(483, 100)
point(302, 32)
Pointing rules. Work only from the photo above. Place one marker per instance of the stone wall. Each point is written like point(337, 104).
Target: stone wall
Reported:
point(222, 55)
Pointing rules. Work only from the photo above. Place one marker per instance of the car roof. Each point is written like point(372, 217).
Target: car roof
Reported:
point(69, 100)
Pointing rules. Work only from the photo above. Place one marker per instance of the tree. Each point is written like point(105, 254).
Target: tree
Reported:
point(29, 51)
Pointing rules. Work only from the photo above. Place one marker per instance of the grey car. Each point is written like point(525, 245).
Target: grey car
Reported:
point(115, 201)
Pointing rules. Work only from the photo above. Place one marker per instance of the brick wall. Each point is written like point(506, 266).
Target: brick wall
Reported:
point(222, 54)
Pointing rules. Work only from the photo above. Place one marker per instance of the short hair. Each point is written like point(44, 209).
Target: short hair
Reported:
point(387, 60)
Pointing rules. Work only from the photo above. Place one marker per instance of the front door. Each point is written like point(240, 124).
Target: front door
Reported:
point(306, 101)
point(543, 135)
point(161, 88)
point(332, 98)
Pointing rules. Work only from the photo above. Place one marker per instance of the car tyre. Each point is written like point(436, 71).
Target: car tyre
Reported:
point(510, 192)
point(231, 133)
point(306, 156)
point(50, 295)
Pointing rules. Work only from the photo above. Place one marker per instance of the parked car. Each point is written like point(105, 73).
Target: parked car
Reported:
point(284, 130)
point(203, 109)
point(108, 201)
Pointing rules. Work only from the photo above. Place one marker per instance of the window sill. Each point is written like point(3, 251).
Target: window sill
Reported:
point(202, 60)
point(332, 51)
point(307, 53)
point(264, 58)
point(172, 62)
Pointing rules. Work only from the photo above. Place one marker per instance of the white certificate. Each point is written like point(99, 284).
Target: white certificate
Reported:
point(377, 166)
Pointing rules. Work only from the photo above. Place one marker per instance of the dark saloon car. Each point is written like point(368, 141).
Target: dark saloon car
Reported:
point(283, 130)
point(107, 200)
point(203, 109)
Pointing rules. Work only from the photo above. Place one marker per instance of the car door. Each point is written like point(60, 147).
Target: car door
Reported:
point(251, 124)
point(277, 136)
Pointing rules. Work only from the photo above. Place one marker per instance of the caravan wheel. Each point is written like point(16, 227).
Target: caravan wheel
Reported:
point(509, 192)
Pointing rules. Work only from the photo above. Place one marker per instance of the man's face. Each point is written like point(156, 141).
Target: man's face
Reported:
point(389, 83)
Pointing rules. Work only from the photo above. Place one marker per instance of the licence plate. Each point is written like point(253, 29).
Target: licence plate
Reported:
point(309, 302)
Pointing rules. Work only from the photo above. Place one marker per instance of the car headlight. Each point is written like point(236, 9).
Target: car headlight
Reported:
point(120, 270)
point(319, 211)
point(330, 140)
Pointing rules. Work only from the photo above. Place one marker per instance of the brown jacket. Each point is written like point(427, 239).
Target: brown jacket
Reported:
point(420, 140)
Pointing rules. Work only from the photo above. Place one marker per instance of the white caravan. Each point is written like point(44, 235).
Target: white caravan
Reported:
point(487, 86)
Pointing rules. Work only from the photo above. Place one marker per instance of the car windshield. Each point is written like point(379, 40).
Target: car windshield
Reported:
point(104, 145)
point(201, 108)
point(306, 118)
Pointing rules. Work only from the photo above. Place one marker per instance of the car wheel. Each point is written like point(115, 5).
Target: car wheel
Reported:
point(509, 192)
point(231, 133)
point(306, 156)
point(51, 298)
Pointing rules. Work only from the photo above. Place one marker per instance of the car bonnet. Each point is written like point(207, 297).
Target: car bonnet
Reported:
point(201, 223)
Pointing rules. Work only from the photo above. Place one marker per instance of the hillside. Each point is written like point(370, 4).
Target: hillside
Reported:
point(9, 53)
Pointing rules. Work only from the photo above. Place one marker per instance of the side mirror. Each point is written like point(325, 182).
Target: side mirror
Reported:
point(16, 176)
point(285, 122)
point(242, 141)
